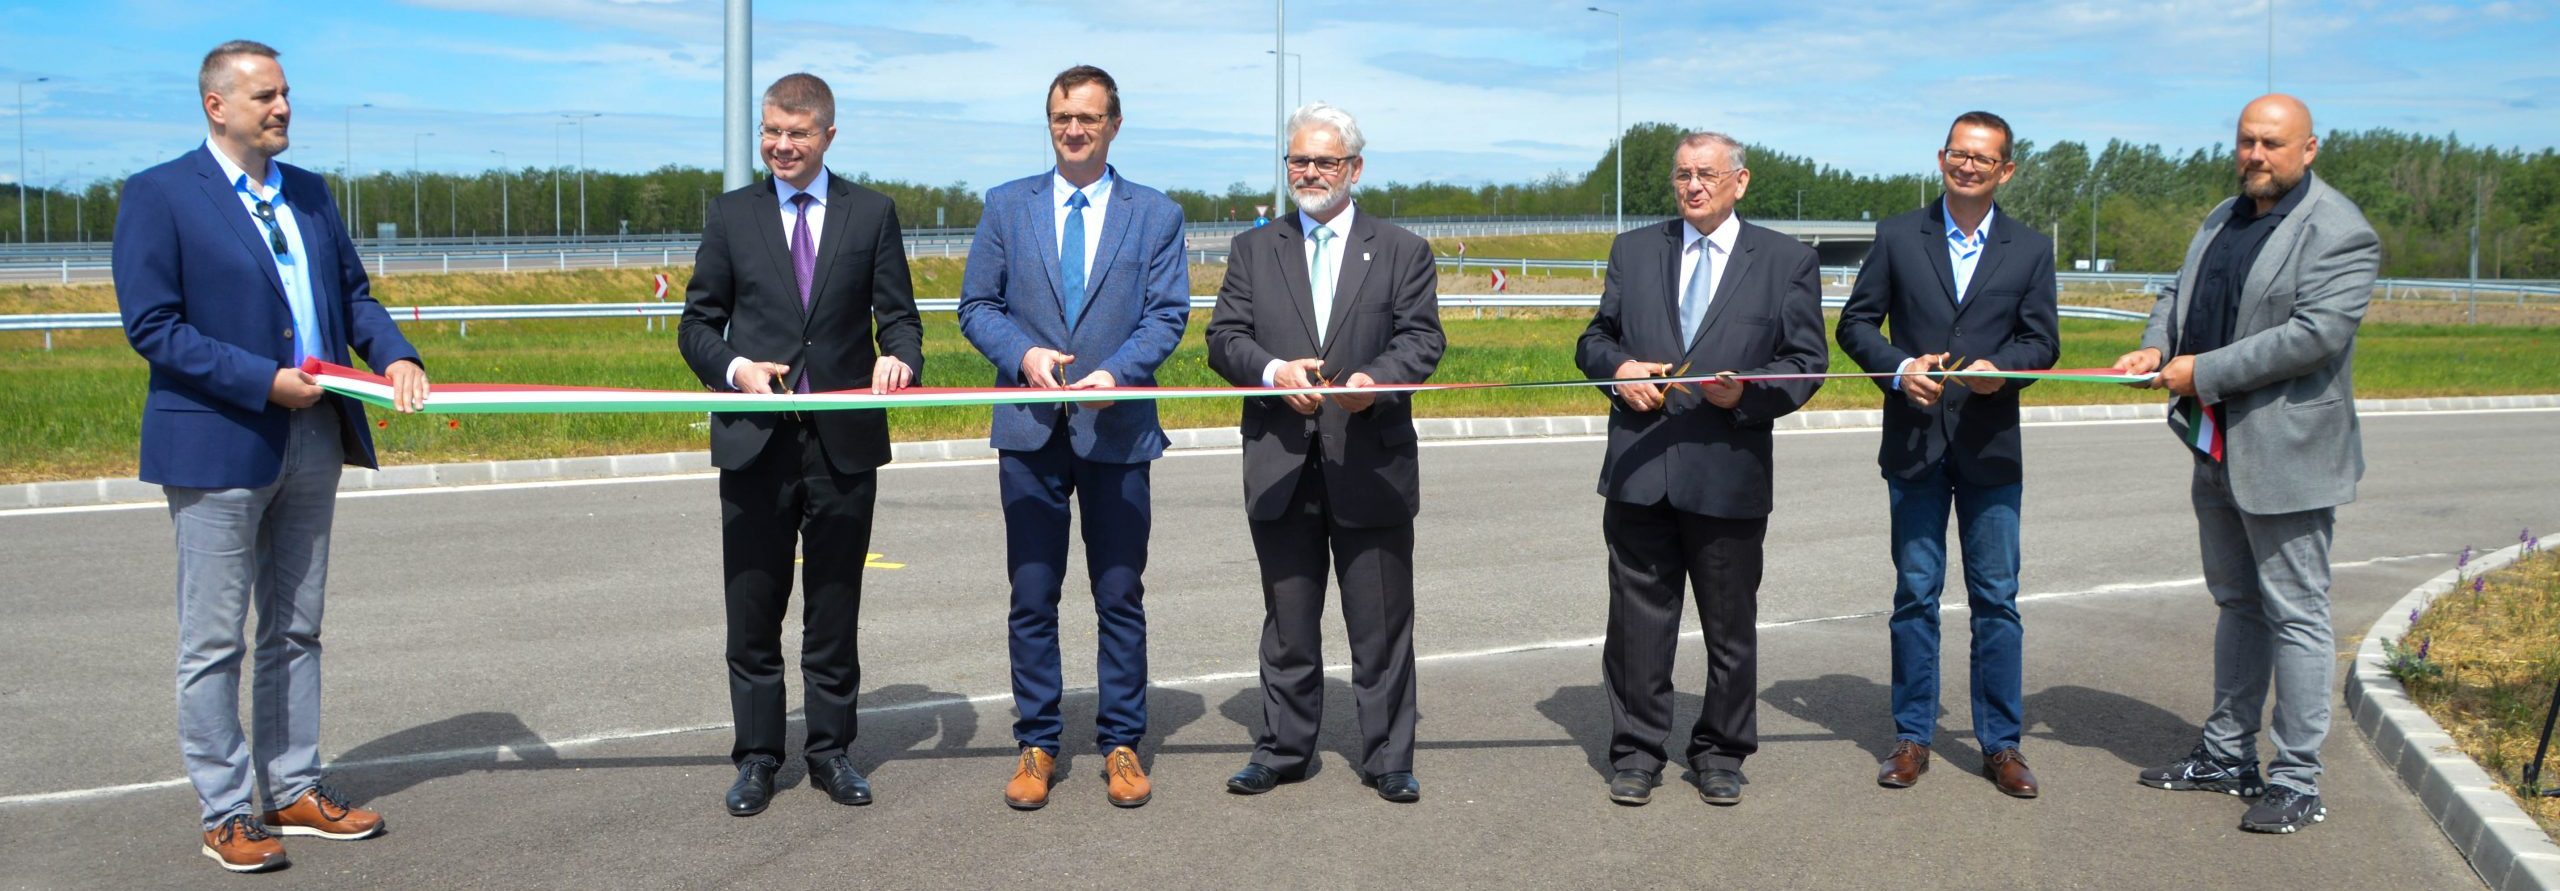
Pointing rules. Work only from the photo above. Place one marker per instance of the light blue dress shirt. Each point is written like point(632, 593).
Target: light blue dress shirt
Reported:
point(293, 267)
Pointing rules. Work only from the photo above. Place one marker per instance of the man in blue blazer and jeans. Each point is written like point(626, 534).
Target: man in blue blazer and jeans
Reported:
point(231, 270)
point(1956, 285)
point(1076, 280)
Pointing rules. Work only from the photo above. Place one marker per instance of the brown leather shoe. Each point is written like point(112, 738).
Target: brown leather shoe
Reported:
point(2008, 770)
point(1029, 790)
point(1903, 766)
point(241, 845)
point(320, 812)
point(1127, 780)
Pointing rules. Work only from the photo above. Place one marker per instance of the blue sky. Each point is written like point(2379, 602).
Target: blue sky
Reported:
point(1483, 91)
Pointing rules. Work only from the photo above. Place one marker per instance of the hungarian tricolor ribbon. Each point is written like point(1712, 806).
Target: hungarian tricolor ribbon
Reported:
point(2204, 425)
point(459, 398)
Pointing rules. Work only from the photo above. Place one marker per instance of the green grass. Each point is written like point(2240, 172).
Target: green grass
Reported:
point(74, 412)
point(2492, 659)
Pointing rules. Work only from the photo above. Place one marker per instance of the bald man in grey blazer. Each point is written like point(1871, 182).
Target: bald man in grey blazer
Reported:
point(2257, 341)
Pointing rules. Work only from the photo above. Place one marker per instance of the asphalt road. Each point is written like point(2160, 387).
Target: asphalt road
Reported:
point(527, 680)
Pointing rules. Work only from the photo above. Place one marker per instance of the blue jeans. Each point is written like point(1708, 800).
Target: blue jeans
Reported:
point(1036, 487)
point(1987, 526)
point(267, 546)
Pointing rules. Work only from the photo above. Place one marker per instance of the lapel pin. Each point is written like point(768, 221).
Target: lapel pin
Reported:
point(1364, 256)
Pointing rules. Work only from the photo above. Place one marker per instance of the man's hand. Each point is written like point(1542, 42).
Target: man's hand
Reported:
point(408, 386)
point(1300, 373)
point(1356, 401)
point(1983, 386)
point(1918, 386)
point(2180, 376)
point(1040, 367)
point(1099, 380)
point(294, 388)
point(889, 375)
point(2142, 361)
point(758, 377)
point(1641, 397)
point(1723, 392)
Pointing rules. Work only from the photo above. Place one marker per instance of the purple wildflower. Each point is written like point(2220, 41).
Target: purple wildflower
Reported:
point(2463, 560)
point(2423, 642)
point(2413, 617)
point(2478, 583)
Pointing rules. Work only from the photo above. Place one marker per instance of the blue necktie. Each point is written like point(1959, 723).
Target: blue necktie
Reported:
point(1071, 258)
point(1693, 301)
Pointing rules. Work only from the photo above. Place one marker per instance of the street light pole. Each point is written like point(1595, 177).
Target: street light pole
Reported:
point(555, 177)
point(354, 206)
point(417, 228)
point(1618, 137)
point(504, 213)
point(2097, 190)
point(22, 155)
point(1299, 97)
point(1279, 108)
point(44, 196)
point(579, 119)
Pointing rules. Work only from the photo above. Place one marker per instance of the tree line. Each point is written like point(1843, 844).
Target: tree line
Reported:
point(2133, 204)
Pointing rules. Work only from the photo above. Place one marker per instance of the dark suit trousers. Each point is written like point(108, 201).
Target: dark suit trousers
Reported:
point(789, 494)
point(1375, 567)
point(1035, 486)
point(1652, 548)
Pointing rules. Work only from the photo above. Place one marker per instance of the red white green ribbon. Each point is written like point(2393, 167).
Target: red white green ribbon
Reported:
point(455, 398)
point(2204, 425)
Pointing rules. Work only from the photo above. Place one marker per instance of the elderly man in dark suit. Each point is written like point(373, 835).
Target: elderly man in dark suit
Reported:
point(1956, 279)
point(2257, 340)
point(797, 277)
point(232, 269)
point(1687, 471)
point(1330, 295)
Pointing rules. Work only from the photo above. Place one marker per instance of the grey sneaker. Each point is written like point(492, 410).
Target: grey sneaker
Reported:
point(2202, 772)
point(2283, 810)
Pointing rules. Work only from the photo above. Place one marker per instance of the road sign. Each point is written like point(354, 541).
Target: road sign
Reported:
point(1501, 282)
point(662, 287)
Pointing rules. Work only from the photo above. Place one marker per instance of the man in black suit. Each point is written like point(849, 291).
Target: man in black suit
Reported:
point(1955, 279)
point(795, 278)
point(1687, 472)
point(1330, 295)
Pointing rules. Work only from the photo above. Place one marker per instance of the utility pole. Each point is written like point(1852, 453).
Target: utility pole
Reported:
point(1279, 108)
point(579, 120)
point(737, 113)
point(505, 214)
point(417, 229)
point(349, 179)
point(22, 155)
point(1618, 137)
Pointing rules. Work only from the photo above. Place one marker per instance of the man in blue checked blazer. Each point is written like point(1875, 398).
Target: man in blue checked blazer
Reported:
point(1076, 280)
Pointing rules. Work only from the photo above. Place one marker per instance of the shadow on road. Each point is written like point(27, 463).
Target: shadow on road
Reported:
point(1583, 713)
point(2137, 732)
point(468, 743)
point(1850, 707)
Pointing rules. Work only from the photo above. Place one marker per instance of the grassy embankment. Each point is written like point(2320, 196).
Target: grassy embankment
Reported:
point(2491, 658)
point(73, 412)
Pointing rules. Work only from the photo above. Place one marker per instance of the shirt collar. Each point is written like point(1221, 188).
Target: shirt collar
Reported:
point(817, 190)
point(1722, 237)
point(239, 179)
point(1341, 224)
point(1981, 231)
point(1097, 193)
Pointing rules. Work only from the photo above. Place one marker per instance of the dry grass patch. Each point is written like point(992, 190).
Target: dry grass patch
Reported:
point(2483, 660)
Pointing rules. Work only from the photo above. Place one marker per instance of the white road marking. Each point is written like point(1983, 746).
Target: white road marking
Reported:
point(499, 751)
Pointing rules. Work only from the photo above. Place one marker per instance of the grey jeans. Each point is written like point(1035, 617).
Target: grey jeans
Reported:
point(2269, 573)
point(268, 546)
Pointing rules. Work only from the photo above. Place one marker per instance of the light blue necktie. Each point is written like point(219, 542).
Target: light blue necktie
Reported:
point(1693, 301)
point(1320, 280)
point(1071, 258)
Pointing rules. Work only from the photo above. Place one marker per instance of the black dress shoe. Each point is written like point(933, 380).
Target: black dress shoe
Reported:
point(842, 782)
point(1632, 787)
point(754, 788)
point(1399, 786)
point(1254, 779)
point(1720, 787)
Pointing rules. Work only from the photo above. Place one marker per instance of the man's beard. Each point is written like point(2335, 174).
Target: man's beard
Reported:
point(2275, 187)
point(1332, 198)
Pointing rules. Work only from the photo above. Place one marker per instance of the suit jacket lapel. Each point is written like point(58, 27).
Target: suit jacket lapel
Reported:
point(2213, 223)
point(1355, 268)
point(1291, 246)
point(1995, 248)
point(1946, 269)
point(2271, 259)
point(1676, 237)
point(226, 207)
point(1728, 285)
point(1115, 229)
point(831, 239)
point(326, 298)
point(1044, 229)
point(766, 222)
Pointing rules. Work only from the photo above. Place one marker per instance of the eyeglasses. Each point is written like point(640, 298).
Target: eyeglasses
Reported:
point(1090, 121)
point(795, 137)
point(275, 234)
point(1320, 163)
point(1962, 158)
point(1702, 175)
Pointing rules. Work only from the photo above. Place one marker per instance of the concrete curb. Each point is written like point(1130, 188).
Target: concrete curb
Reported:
point(70, 493)
point(2504, 845)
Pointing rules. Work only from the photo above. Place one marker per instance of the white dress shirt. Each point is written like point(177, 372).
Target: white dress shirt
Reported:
point(782, 192)
point(1717, 246)
point(1333, 252)
point(1098, 199)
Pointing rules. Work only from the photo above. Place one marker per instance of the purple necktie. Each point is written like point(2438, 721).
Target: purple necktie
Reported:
point(804, 262)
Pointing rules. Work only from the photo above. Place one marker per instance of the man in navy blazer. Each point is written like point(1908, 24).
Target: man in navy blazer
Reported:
point(1956, 281)
point(231, 270)
point(1076, 280)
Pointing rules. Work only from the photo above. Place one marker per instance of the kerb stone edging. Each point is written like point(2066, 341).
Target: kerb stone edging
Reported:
point(70, 493)
point(2504, 845)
